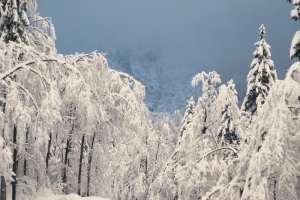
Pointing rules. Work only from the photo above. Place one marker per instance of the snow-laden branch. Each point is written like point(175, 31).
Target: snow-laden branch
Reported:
point(46, 36)
point(30, 96)
point(24, 65)
point(220, 149)
point(42, 19)
point(12, 70)
point(69, 117)
point(207, 154)
point(122, 97)
point(84, 55)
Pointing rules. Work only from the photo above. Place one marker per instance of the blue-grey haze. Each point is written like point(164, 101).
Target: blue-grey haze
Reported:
point(189, 36)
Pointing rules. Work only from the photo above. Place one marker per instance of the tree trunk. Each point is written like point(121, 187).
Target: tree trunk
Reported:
point(146, 161)
point(26, 149)
point(48, 152)
point(146, 169)
point(80, 165)
point(3, 189)
point(156, 157)
point(205, 119)
point(15, 165)
point(3, 182)
point(90, 165)
point(68, 149)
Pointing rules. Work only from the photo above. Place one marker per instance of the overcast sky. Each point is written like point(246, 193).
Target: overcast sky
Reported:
point(206, 35)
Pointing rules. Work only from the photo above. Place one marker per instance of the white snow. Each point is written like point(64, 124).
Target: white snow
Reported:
point(295, 13)
point(69, 197)
point(295, 41)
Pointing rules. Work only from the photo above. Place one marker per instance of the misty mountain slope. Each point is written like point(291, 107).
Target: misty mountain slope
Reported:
point(167, 88)
point(168, 85)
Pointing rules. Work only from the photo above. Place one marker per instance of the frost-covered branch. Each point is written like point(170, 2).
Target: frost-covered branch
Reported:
point(85, 55)
point(68, 117)
point(42, 19)
point(23, 65)
point(220, 149)
point(30, 96)
point(36, 29)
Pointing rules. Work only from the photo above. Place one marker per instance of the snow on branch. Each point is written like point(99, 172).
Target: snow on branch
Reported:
point(84, 55)
point(210, 78)
point(24, 65)
point(220, 149)
point(295, 46)
point(120, 96)
point(30, 96)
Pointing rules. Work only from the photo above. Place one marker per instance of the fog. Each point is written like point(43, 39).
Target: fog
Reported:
point(190, 35)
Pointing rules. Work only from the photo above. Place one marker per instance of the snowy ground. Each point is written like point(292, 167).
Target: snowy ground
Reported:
point(69, 197)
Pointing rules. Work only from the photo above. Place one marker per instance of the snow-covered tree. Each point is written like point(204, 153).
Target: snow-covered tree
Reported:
point(207, 115)
point(261, 76)
point(295, 47)
point(14, 21)
point(229, 132)
point(193, 167)
point(27, 107)
point(166, 185)
point(295, 14)
point(267, 166)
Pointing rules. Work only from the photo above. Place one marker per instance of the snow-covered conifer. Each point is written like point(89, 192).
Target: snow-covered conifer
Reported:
point(295, 47)
point(267, 166)
point(227, 104)
point(261, 76)
point(14, 21)
point(295, 14)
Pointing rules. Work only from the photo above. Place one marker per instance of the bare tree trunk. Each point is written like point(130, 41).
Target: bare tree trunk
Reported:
point(48, 151)
point(68, 149)
point(3, 189)
point(15, 164)
point(3, 182)
point(146, 169)
point(90, 165)
point(26, 149)
point(80, 165)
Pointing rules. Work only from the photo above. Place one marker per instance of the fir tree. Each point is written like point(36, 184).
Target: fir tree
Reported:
point(13, 21)
point(295, 14)
point(295, 47)
point(261, 76)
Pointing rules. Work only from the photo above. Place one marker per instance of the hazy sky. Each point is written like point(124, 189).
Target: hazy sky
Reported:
point(191, 34)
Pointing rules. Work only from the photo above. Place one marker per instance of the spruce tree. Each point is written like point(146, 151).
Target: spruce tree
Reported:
point(295, 14)
point(261, 76)
point(13, 21)
point(295, 47)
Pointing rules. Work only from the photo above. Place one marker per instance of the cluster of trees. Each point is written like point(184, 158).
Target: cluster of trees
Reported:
point(72, 124)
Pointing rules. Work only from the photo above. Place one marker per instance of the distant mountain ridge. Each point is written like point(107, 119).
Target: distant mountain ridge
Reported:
point(168, 86)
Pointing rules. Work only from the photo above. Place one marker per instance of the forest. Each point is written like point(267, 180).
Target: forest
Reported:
point(71, 124)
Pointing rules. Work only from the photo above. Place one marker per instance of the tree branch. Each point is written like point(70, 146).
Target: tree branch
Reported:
point(222, 148)
point(23, 65)
point(46, 36)
point(85, 55)
point(30, 96)
point(43, 19)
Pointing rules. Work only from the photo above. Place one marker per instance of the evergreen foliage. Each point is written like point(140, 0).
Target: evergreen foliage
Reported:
point(14, 21)
point(295, 14)
point(261, 76)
